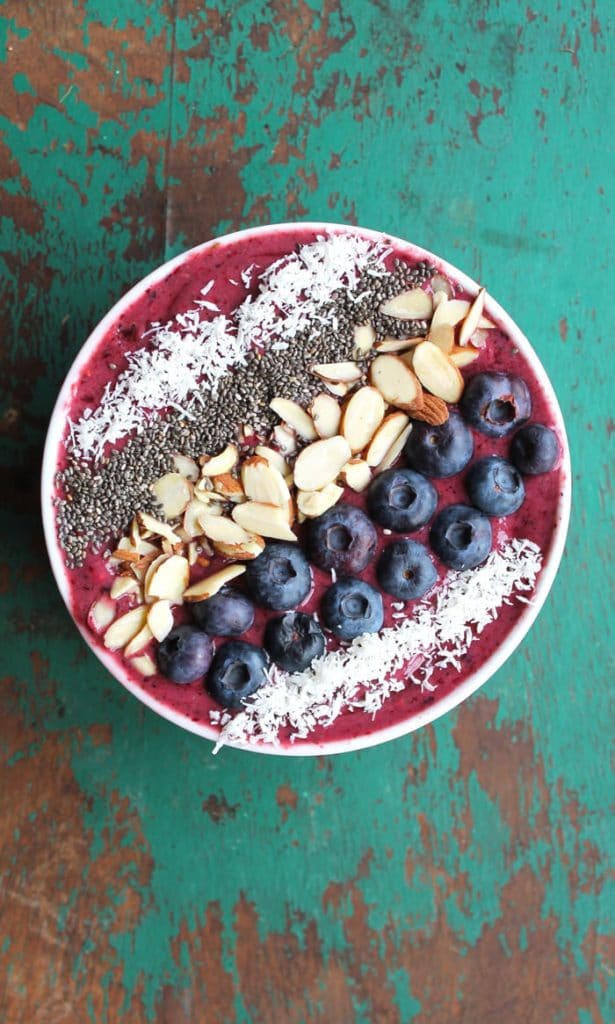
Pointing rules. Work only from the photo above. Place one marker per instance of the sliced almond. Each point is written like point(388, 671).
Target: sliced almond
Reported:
point(135, 534)
point(264, 520)
point(122, 631)
point(386, 435)
point(397, 344)
point(437, 373)
point(434, 410)
point(123, 585)
point(296, 417)
point(320, 463)
point(364, 337)
point(144, 665)
point(101, 613)
point(438, 297)
point(411, 305)
point(217, 465)
point(326, 414)
point(145, 549)
point(338, 373)
point(339, 390)
point(443, 335)
point(395, 381)
point(158, 528)
point(169, 579)
point(357, 474)
point(212, 584)
point(192, 515)
point(313, 503)
point(394, 451)
point(227, 486)
point(440, 283)
point(275, 459)
point(363, 414)
point(160, 619)
point(173, 492)
point(262, 482)
point(285, 438)
point(242, 552)
point(125, 555)
point(451, 312)
point(464, 356)
point(479, 339)
point(193, 552)
point(486, 324)
point(224, 530)
point(470, 323)
point(138, 642)
point(149, 572)
point(187, 467)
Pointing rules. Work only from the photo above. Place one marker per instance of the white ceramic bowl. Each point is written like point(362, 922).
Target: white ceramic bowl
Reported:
point(417, 719)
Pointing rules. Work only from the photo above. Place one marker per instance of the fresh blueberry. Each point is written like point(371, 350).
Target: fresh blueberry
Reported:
point(439, 451)
point(343, 538)
point(185, 654)
point(401, 500)
point(352, 607)
point(280, 577)
point(496, 403)
point(461, 536)
point(405, 570)
point(294, 640)
point(534, 449)
point(238, 670)
point(495, 486)
point(227, 613)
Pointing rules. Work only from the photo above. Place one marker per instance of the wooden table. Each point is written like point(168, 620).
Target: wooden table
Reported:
point(456, 875)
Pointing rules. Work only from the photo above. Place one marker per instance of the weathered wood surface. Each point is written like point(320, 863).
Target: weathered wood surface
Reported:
point(457, 875)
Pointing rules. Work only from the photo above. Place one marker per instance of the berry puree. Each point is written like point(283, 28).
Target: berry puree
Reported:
point(235, 270)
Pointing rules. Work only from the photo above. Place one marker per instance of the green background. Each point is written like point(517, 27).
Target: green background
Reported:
point(460, 874)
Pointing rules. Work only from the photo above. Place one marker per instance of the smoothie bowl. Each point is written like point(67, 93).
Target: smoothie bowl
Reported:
point(305, 488)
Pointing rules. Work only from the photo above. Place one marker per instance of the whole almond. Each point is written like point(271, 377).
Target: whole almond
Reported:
point(434, 411)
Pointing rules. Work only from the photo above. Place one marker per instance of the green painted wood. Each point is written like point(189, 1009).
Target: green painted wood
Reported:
point(457, 875)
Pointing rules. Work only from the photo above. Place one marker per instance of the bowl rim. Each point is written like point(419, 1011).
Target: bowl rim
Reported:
point(417, 719)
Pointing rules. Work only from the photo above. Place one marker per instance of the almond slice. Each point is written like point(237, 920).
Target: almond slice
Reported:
point(138, 642)
point(275, 459)
point(443, 335)
point(264, 520)
point(169, 579)
point(470, 323)
point(212, 584)
point(339, 390)
point(357, 474)
point(292, 413)
point(223, 530)
point(173, 493)
point(363, 414)
point(123, 585)
point(326, 414)
point(313, 503)
point(437, 373)
point(395, 381)
point(158, 528)
point(464, 356)
point(451, 312)
point(320, 463)
point(125, 628)
point(160, 620)
point(338, 373)
point(144, 665)
point(125, 555)
point(398, 344)
point(135, 535)
point(486, 324)
point(217, 465)
point(228, 487)
point(386, 435)
point(411, 305)
point(193, 513)
point(186, 467)
point(394, 451)
point(440, 283)
point(434, 411)
point(285, 438)
point(364, 337)
point(242, 552)
point(101, 613)
point(262, 482)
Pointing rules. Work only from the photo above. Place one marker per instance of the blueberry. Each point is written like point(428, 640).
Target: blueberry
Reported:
point(238, 670)
point(343, 538)
point(280, 577)
point(401, 500)
point(405, 570)
point(185, 654)
point(495, 486)
point(461, 536)
point(439, 451)
point(227, 613)
point(534, 449)
point(294, 640)
point(352, 607)
point(496, 403)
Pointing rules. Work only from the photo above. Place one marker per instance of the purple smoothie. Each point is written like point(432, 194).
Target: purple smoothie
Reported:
point(535, 520)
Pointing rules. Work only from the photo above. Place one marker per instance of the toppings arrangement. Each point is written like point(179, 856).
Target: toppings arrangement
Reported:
point(246, 507)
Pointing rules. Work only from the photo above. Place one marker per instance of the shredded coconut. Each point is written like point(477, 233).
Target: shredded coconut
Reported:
point(363, 675)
